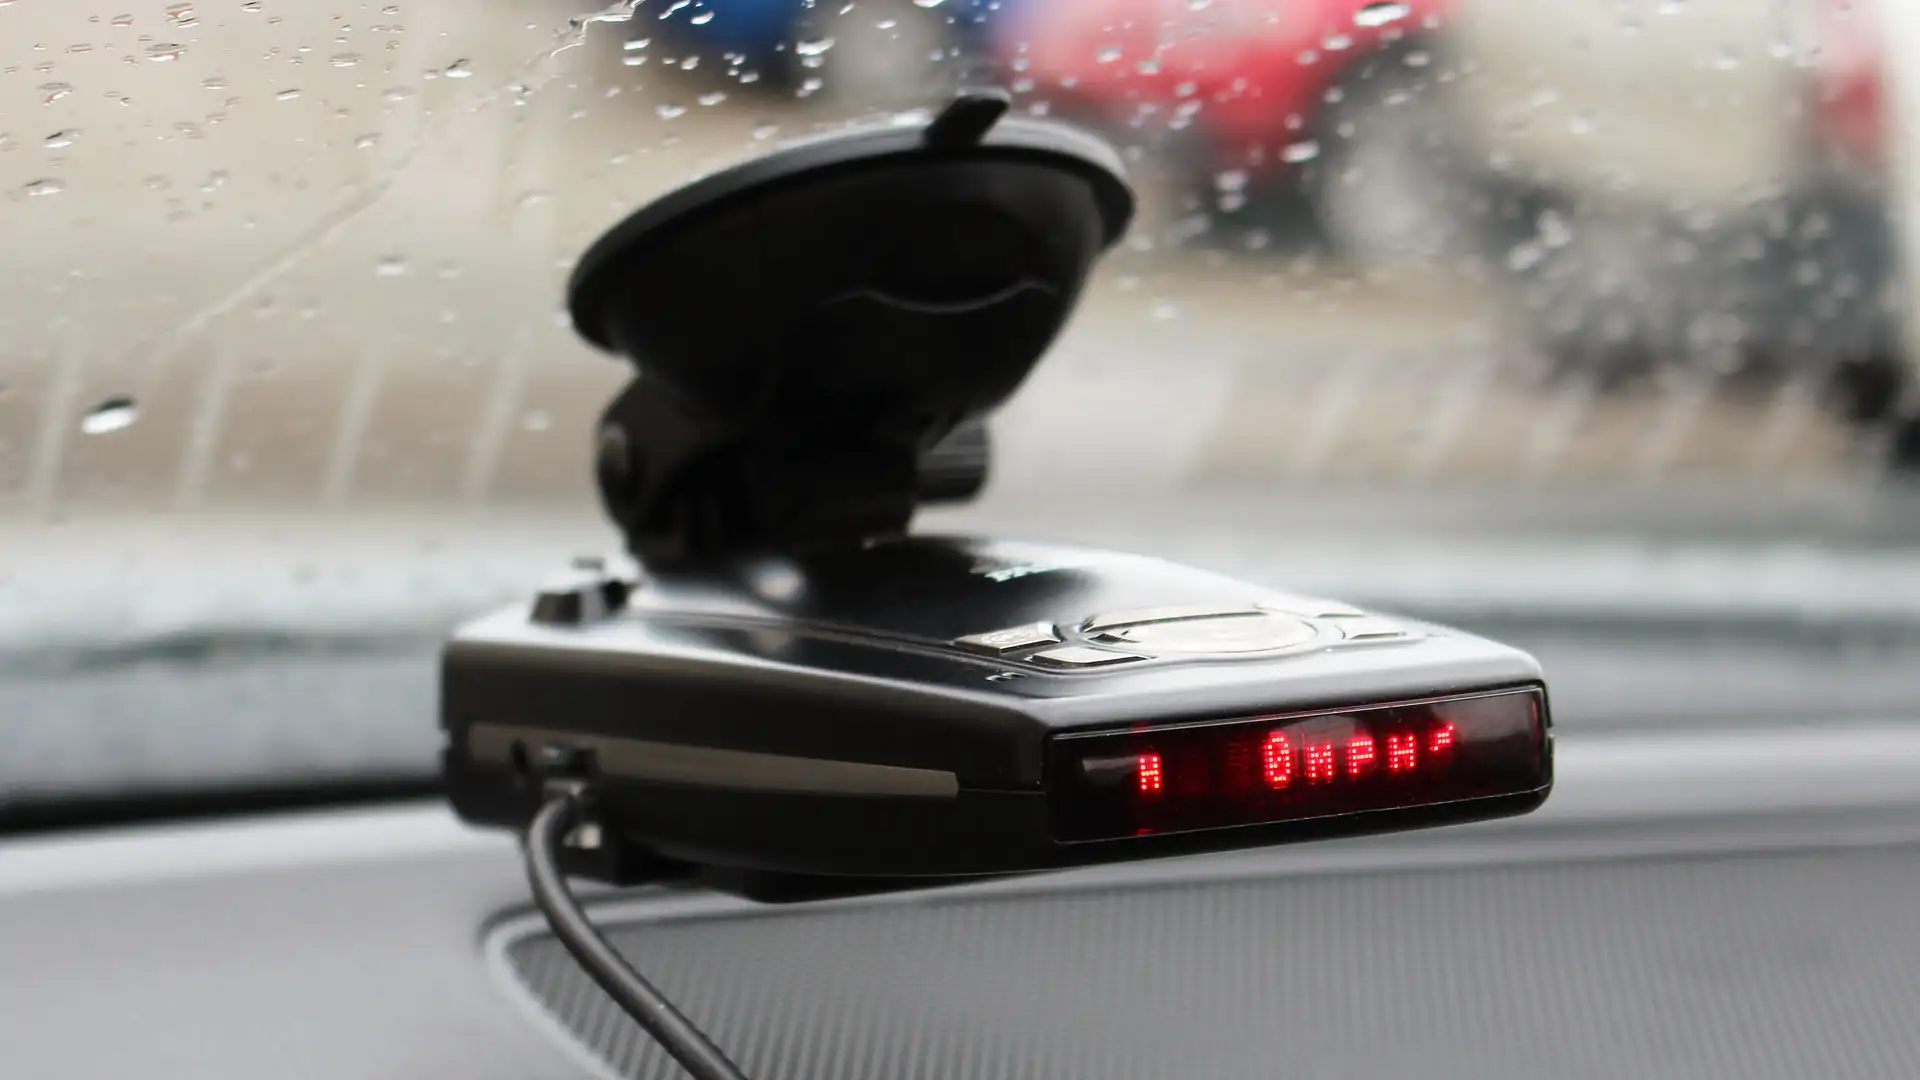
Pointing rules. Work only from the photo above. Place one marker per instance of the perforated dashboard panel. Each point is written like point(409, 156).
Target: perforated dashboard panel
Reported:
point(1756, 966)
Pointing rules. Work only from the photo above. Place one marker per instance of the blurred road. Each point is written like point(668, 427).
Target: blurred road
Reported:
point(322, 255)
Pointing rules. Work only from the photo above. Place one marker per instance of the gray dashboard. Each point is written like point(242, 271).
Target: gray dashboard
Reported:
point(1688, 904)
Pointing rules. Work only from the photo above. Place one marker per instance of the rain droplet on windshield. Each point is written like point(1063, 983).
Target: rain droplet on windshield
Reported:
point(61, 139)
point(1304, 150)
point(111, 415)
point(669, 112)
point(123, 20)
point(762, 132)
point(47, 186)
point(54, 91)
point(366, 141)
point(712, 97)
point(1108, 54)
point(345, 59)
point(928, 3)
point(1164, 309)
point(702, 19)
point(813, 48)
point(536, 421)
point(163, 51)
point(391, 266)
point(286, 95)
point(458, 70)
point(1382, 13)
point(181, 15)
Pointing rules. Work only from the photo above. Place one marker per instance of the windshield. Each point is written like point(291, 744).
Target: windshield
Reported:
point(1551, 317)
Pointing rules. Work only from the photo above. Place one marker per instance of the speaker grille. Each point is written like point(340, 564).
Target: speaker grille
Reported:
point(1787, 965)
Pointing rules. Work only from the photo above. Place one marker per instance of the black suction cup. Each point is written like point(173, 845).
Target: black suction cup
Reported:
point(835, 308)
point(875, 270)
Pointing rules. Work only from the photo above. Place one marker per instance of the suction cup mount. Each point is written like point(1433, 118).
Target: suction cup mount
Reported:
point(818, 332)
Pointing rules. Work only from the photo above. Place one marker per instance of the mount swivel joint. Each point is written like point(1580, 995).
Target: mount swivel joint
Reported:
point(819, 333)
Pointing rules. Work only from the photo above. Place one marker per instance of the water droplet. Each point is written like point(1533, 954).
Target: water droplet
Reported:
point(534, 198)
point(763, 132)
point(1230, 180)
point(1555, 232)
point(815, 47)
point(46, 186)
point(398, 93)
point(54, 91)
point(390, 9)
point(113, 414)
point(366, 141)
point(62, 139)
point(181, 15)
point(161, 52)
point(1580, 124)
point(213, 83)
point(670, 112)
point(80, 48)
point(286, 95)
point(886, 24)
point(536, 420)
point(690, 63)
point(1164, 309)
point(1304, 150)
point(1417, 58)
point(391, 266)
point(1673, 7)
point(1525, 256)
point(123, 20)
point(1382, 13)
point(712, 97)
point(458, 70)
point(1336, 42)
point(636, 44)
point(345, 59)
point(1108, 54)
point(928, 3)
point(250, 6)
point(702, 19)
point(810, 85)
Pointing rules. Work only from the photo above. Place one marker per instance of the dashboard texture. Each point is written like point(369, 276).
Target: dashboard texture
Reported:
point(1714, 904)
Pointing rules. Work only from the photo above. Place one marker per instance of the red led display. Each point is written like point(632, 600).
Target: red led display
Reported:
point(1403, 752)
point(1277, 756)
point(1149, 767)
point(1320, 767)
point(1296, 766)
point(1359, 755)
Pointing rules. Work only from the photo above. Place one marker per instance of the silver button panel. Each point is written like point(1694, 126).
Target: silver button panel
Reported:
point(1081, 657)
point(1167, 614)
point(998, 642)
point(1226, 635)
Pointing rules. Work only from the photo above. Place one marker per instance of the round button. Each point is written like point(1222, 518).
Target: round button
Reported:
point(1225, 634)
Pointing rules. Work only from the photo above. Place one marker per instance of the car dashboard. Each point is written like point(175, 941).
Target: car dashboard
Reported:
point(1691, 902)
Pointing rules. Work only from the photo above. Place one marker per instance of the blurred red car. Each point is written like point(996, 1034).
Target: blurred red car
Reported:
point(1251, 91)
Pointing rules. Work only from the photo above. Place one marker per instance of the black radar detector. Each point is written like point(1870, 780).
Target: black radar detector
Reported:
point(784, 685)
